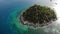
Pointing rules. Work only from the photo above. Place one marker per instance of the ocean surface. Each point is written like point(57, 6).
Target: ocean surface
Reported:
point(10, 8)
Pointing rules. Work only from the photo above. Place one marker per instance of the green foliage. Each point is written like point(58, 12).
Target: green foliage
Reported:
point(39, 14)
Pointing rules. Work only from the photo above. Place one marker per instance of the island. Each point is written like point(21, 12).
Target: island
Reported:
point(38, 15)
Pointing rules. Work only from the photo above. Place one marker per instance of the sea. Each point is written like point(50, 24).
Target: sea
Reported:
point(9, 7)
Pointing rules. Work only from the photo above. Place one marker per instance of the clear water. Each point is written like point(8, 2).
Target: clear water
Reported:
point(10, 8)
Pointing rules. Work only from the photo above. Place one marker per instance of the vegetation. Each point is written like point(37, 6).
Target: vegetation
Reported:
point(39, 14)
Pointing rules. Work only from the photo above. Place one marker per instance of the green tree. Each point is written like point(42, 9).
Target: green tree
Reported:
point(39, 14)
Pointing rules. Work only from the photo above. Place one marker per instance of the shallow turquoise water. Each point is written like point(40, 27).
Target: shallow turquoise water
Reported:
point(9, 17)
point(8, 10)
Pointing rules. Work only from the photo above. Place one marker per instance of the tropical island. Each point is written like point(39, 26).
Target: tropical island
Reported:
point(37, 15)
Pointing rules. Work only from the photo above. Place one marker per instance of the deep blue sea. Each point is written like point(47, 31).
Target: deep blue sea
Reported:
point(9, 6)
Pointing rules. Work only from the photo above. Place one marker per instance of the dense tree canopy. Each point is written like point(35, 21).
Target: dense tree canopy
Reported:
point(39, 14)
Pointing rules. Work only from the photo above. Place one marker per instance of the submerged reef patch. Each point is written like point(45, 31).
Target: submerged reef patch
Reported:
point(31, 20)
